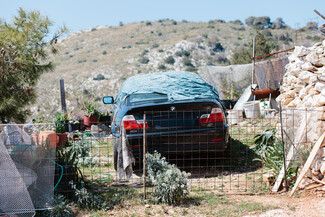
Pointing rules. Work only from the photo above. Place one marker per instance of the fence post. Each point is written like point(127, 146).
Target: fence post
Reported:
point(284, 154)
point(144, 155)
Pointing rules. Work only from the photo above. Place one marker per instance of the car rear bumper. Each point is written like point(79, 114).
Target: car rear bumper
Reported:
point(176, 142)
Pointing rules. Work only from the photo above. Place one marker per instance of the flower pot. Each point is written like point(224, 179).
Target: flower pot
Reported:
point(66, 125)
point(90, 120)
point(47, 137)
point(63, 138)
point(64, 174)
point(74, 127)
point(105, 119)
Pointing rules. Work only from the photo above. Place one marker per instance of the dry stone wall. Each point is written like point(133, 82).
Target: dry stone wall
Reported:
point(303, 99)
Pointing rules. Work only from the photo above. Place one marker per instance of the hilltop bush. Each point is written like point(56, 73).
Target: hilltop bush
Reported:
point(162, 67)
point(144, 60)
point(170, 60)
point(99, 77)
point(187, 62)
point(217, 47)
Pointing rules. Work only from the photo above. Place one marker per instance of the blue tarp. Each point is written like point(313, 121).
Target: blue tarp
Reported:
point(176, 85)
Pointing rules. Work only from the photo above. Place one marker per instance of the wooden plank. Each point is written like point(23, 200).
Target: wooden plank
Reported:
point(62, 93)
point(291, 153)
point(308, 162)
point(319, 181)
point(314, 186)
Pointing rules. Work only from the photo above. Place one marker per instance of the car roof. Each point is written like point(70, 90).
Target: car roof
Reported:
point(176, 85)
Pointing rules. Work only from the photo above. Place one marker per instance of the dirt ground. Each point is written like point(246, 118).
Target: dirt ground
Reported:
point(300, 205)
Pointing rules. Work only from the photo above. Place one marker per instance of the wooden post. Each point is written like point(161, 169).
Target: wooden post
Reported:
point(319, 14)
point(283, 150)
point(62, 93)
point(144, 156)
point(308, 163)
point(253, 70)
point(292, 152)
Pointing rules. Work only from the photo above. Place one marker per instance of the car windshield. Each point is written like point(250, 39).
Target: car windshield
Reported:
point(146, 97)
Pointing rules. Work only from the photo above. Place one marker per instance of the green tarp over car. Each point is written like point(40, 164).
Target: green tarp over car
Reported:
point(176, 85)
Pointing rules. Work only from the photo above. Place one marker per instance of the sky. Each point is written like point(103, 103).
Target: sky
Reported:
point(82, 14)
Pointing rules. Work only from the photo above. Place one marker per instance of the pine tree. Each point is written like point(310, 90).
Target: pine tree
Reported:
point(24, 53)
point(262, 47)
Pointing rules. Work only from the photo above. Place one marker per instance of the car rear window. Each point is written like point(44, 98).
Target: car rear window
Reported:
point(146, 97)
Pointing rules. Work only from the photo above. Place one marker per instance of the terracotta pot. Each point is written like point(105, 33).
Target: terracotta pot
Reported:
point(63, 138)
point(49, 136)
point(90, 120)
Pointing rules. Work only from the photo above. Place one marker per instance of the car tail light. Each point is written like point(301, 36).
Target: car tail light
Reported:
point(131, 124)
point(215, 116)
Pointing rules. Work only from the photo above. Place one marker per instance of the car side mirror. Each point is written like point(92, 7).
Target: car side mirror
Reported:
point(108, 100)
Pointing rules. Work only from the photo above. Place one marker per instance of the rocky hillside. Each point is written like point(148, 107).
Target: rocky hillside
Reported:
point(95, 62)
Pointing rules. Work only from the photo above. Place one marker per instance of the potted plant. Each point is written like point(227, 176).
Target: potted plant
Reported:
point(62, 119)
point(61, 126)
point(74, 122)
point(91, 116)
point(67, 170)
point(105, 118)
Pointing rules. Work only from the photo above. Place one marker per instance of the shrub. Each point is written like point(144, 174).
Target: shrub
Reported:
point(170, 184)
point(86, 200)
point(191, 69)
point(104, 52)
point(220, 21)
point(155, 45)
point(160, 50)
point(61, 208)
point(99, 77)
point(217, 47)
point(187, 62)
point(179, 53)
point(174, 22)
point(148, 23)
point(186, 53)
point(144, 52)
point(121, 23)
point(238, 22)
point(205, 35)
point(162, 67)
point(170, 60)
point(144, 60)
point(159, 34)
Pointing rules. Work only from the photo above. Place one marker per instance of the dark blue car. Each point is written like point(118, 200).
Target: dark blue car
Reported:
point(183, 115)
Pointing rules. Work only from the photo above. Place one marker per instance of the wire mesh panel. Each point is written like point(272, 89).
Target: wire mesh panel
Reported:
point(228, 152)
point(27, 164)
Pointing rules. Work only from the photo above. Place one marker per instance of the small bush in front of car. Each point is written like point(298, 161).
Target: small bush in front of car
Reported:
point(170, 184)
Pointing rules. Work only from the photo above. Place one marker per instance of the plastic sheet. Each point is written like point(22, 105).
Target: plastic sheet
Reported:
point(176, 85)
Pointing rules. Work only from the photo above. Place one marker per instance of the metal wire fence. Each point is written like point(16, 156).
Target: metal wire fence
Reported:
point(238, 154)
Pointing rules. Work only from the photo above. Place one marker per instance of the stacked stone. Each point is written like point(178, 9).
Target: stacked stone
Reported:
point(304, 81)
point(302, 93)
